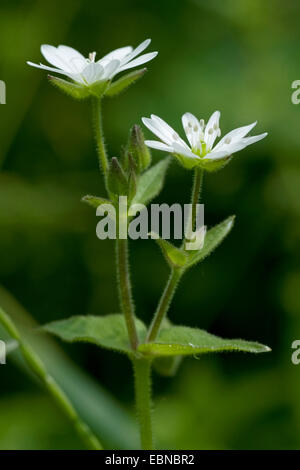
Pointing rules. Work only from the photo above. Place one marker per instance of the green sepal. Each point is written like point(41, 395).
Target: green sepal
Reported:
point(109, 332)
point(205, 164)
point(151, 182)
point(132, 179)
point(95, 201)
point(174, 256)
point(186, 341)
point(78, 91)
point(124, 82)
point(213, 238)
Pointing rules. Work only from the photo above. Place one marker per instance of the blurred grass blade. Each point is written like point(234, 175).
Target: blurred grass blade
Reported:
point(101, 411)
point(37, 366)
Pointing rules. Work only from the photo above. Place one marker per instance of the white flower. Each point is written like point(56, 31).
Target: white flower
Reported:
point(67, 61)
point(201, 137)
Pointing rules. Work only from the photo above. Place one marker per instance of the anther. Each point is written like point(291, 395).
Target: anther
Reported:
point(92, 56)
point(227, 140)
point(196, 128)
point(210, 131)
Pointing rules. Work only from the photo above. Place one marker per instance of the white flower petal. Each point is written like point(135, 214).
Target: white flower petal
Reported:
point(212, 130)
point(157, 130)
point(159, 146)
point(93, 72)
point(235, 135)
point(117, 54)
point(139, 61)
point(74, 59)
point(111, 69)
point(50, 69)
point(192, 129)
point(178, 148)
point(169, 132)
point(134, 53)
point(56, 58)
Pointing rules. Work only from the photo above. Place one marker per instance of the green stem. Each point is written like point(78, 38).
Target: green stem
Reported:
point(142, 381)
point(164, 304)
point(176, 273)
point(197, 186)
point(125, 294)
point(38, 368)
point(97, 122)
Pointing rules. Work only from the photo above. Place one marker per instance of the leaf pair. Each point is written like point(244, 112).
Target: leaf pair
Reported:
point(110, 332)
point(184, 259)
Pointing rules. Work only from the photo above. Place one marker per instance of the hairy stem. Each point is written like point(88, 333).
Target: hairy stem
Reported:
point(98, 131)
point(38, 368)
point(196, 191)
point(176, 273)
point(125, 294)
point(142, 381)
point(164, 304)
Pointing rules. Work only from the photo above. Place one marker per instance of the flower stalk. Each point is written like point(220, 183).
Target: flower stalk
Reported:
point(98, 130)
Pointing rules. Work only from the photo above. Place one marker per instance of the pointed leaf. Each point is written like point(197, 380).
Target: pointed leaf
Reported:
point(108, 332)
point(151, 182)
point(213, 238)
point(124, 82)
point(174, 256)
point(95, 201)
point(183, 340)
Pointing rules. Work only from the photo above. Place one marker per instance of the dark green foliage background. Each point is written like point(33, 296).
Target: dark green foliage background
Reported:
point(239, 56)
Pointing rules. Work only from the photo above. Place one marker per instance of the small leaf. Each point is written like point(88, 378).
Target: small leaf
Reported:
point(116, 179)
point(183, 341)
point(108, 332)
point(151, 182)
point(95, 201)
point(213, 238)
point(174, 256)
point(124, 82)
point(78, 92)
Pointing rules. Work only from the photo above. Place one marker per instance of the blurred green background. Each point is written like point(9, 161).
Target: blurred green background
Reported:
point(238, 56)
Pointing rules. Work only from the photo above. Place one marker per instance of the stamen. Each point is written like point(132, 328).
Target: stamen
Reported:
point(216, 127)
point(202, 123)
point(210, 131)
point(196, 128)
point(190, 124)
point(227, 140)
point(92, 56)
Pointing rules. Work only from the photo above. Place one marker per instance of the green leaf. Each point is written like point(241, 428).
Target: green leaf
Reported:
point(184, 341)
point(213, 238)
point(124, 82)
point(95, 201)
point(108, 332)
point(151, 182)
point(175, 256)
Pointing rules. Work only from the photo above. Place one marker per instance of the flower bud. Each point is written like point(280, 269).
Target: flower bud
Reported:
point(138, 149)
point(116, 178)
